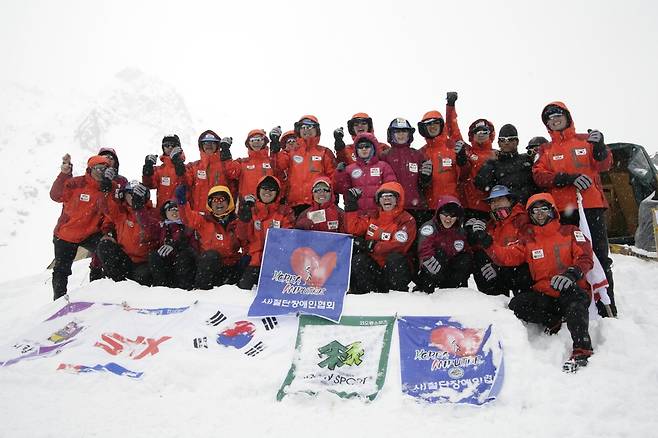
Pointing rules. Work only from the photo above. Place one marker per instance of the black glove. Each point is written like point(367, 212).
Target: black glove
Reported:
point(451, 98)
point(149, 162)
point(225, 148)
point(564, 179)
point(105, 185)
point(181, 195)
point(176, 153)
point(140, 195)
point(480, 237)
point(339, 144)
point(432, 265)
point(362, 245)
point(341, 166)
point(244, 212)
point(179, 166)
point(275, 137)
point(489, 271)
point(110, 173)
point(599, 151)
point(566, 281)
point(351, 197)
point(460, 150)
point(583, 182)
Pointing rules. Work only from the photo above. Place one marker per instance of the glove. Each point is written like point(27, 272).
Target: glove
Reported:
point(432, 265)
point(451, 98)
point(341, 166)
point(480, 237)
point(476, 224)
point(225, 152)
point(165, 250)
point(140, 190)
point(66, 168)
point(149, 162)
point(595, 138)
point(181, 195)
point(351, 197)
point(339, 144)
point(179, 166)
point(583, 182)
point(105, 185)
point(564, 179)
point(110, 173)
point(275, 136)
point(459, 146)
point(251, 199)
point(488, 271)
point(564, 282)
point(362, 245)
point(355, 192)
point(175, 152)
point(244, 212)
point(226, 142)
point(426, 168)
point(599, 151)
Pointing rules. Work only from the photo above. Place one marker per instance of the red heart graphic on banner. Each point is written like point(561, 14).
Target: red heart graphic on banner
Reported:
point(313, 269)
point(460, 342)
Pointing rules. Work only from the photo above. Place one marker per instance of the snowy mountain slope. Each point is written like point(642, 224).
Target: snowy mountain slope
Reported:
point(203, 394)
point(131, 114)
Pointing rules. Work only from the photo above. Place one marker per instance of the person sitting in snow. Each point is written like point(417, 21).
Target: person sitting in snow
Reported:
point(130, 233)
point(173, 263)
point(219, 261)
point(323, 214)
point(558, 256)
point(380, 258)
point(257, 215)
point(444, 254)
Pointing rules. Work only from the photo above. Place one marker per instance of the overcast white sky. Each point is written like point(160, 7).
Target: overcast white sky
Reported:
point(246, 64)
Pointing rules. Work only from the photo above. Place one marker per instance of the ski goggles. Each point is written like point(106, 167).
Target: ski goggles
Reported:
point(507, 139)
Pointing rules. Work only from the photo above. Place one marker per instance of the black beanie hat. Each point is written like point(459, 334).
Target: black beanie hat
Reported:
point(508, 131)
point(170, 140)
point(166, 206)
point(269, 183)
point(451, 209)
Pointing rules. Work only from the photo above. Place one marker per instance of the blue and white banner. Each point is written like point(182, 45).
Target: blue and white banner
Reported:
point(442, 361)
point(306, 272)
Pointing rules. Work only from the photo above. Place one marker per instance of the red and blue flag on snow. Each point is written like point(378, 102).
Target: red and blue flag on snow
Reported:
point(443, 361)
point(305, 272)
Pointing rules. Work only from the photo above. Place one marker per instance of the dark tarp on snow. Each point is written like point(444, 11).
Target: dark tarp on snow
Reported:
point(631, 179)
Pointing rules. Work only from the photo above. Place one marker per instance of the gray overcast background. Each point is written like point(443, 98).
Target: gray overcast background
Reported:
point(242, 65)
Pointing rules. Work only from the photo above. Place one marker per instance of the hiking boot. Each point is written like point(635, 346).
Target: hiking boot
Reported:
point(579, 359)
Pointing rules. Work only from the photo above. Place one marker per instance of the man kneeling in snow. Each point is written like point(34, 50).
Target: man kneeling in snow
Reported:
point(558, 257)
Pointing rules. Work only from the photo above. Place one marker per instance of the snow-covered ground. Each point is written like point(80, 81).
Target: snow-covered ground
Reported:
point(203, 394)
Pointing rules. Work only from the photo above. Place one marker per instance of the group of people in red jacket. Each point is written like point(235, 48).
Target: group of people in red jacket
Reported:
point(432, 216)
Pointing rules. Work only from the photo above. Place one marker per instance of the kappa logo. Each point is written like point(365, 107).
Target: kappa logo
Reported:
point(238, 335)
point(216, 319)
point(338, 355)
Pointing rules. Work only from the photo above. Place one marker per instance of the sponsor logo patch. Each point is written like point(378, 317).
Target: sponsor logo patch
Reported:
point(427, 230)
point(558, 157)
point(537, 254)
point(201, 174)
point(413, 167)
point(375, 171)
point(84, 197)
point(580, 152)
point(459, 245)
point(386, 236)
point(219, 236)
point(298, 159)
point(165, 181)
point(580, 237)
point(401, 236)
point(446, 162)
point(357, 173)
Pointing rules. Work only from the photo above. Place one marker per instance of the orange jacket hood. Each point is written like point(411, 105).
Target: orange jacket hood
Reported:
point(571, 129)
point(478, 122)
point(392, 187)
point(255, 132)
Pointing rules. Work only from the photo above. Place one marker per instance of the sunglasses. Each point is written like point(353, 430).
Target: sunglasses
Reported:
point(360, 122)
point(307, 127)
point(218, 199)
point(554, 116)
point(432, 122)
point(387, 196)
point(99, 168)
point(321, 190)
point(482, 131)
point(256, 139)
point(448, 214)
point(363, 146)
point(291, 141)
point(209, 143)
point(507, 139)
point(172, 208)
point(544, 209)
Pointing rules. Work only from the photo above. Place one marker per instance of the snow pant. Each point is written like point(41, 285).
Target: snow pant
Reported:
point(368, 276)
point(571, 306)
point(454, 272)
point(514, 279)
point(118, 266)
point(249, 277)
point(64, 256)
point(175, 270)
point(211, 271)
point(597, 227)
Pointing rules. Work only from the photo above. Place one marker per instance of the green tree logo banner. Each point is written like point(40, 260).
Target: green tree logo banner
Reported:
point(348, 359)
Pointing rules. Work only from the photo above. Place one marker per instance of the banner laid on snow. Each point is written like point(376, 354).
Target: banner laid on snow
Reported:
point(348, 359)
point(442, 361)
point(125, 341)
point(304, 272)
